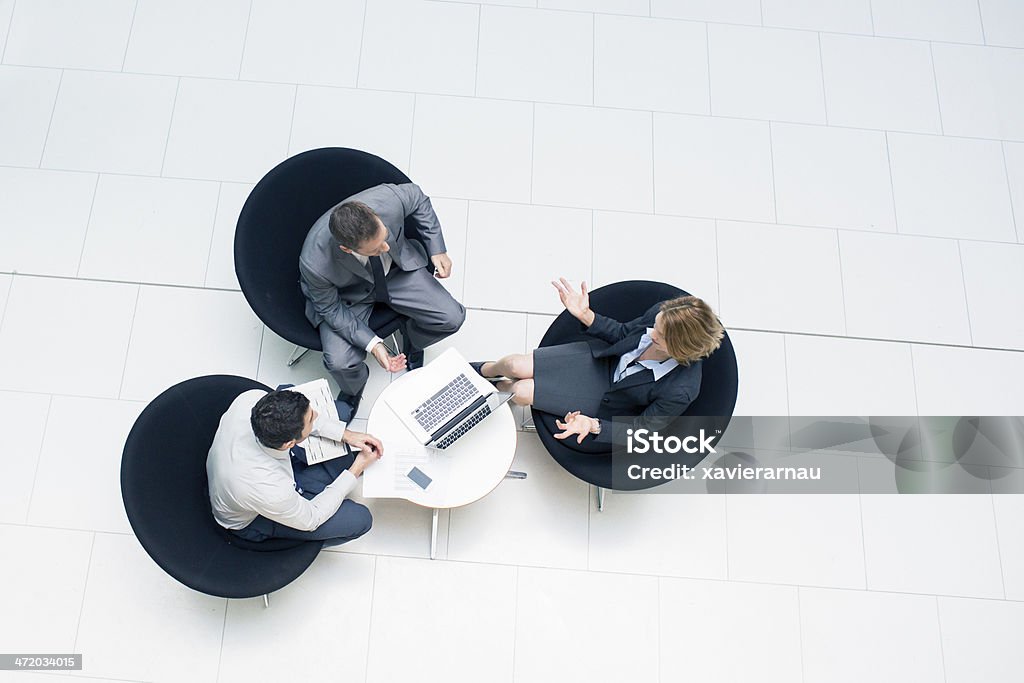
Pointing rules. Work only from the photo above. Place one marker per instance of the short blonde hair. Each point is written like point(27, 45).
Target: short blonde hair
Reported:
point(692, 331)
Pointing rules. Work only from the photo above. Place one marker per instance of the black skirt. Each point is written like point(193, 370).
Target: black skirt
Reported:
point(567, 377)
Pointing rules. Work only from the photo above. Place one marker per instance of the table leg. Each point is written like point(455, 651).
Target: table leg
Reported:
point(433, 535)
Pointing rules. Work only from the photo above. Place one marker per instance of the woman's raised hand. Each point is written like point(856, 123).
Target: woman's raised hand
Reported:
point(577, 303)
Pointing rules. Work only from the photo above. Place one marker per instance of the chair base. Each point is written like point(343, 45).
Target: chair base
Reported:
point(297, 353)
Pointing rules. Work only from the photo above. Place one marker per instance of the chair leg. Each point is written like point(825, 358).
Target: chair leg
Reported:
point(266, 600)
point(297, 353)
point(528, 425)
point(600, 499)
point(512, 474)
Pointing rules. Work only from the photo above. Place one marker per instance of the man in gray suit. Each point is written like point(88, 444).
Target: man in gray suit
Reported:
point(357, 255)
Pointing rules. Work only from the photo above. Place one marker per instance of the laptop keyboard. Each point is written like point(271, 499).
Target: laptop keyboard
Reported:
point(441, 406)
point(455, 434)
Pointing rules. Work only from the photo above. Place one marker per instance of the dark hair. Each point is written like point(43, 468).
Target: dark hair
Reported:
point(352, 224)
point(279, 417)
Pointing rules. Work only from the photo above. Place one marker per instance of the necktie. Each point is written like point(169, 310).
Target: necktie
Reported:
point(380, 284)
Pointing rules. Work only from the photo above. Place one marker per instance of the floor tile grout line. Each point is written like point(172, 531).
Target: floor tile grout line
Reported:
point(863, 535)
point(785, 369)
point(213, 234)
point(291, 120)
point(800, 632)
point(131, 28)
point(913, 376)
point(771, 162)
point(85, 233)
point(664, 18)
point(842, 284)
point(593, 60)
point(657, 626)
point(593, 247)
point(747, 582)
point(369, 624)
point(476, 66)
point(49, 125)
point(654, 169)
point(707, 53)
point(85, 590)
point(245, 41)
point(999, 549)
point(825, 335)
point(942, 648)
point(1009, 190)
point(412, 132)
point(362, 42)
point(128, 349)
point(39, 459)
point(718, 268)
point(450, 95)
point(7, 36)
point(7, 300)
point(963, 284)
point(935, 82)
point(981, 24)
point(223, 630)
point(533, 147)
point(892, 185)
point(515, 618)
point(170, 127)
point(821, 70)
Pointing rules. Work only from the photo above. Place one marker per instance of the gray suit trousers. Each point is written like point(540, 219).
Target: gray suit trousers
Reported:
point(434, 314)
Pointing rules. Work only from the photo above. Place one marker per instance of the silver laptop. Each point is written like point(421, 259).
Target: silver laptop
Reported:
point(444, 400)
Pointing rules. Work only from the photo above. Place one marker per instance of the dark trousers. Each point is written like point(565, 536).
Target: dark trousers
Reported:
point(351, 521)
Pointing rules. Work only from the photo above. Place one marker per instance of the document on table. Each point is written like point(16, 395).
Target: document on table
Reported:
point(389, 477)
point(319, 449)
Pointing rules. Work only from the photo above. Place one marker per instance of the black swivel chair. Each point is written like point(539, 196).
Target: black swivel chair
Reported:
point(714, 405)
point(165, 494)
point(274, 223)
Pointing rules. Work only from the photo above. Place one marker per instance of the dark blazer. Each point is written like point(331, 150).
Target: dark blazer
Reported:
point(651, 404)
point(333, 280)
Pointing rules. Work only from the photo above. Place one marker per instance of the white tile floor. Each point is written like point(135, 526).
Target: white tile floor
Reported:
point(843, 181)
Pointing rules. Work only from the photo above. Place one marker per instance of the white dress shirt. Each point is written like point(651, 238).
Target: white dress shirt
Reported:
point(386, 261)
point(659, 368)
point(248, 479)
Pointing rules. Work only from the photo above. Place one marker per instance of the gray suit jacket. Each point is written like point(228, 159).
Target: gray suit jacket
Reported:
point(333, 280)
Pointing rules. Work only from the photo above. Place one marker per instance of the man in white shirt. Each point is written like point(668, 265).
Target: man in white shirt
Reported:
point(259, 489)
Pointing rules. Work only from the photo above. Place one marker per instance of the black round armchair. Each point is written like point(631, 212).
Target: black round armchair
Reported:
point(711, 410)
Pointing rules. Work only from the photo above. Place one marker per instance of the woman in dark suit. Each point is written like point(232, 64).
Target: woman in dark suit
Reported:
point(648, 368)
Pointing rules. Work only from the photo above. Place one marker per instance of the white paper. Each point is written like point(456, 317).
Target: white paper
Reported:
point(319, 449)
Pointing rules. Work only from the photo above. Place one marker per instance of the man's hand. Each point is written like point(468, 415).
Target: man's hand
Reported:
point(386, 360)
point(574, 423)
point(577, 303)
point(443, 265)
point(371, 450)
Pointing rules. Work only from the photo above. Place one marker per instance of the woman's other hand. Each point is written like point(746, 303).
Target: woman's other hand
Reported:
point(577, 424)
point(577, 303)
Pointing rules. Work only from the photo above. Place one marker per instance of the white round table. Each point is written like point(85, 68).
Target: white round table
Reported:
point(461, 474)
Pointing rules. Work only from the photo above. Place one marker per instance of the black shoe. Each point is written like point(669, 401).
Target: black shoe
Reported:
point(414, 359)
point(479, 367)
point(347, 405)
